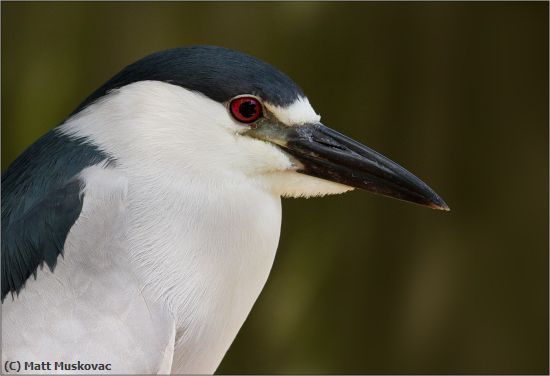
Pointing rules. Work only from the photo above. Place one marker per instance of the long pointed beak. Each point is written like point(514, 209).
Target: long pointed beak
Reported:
point(327, 154)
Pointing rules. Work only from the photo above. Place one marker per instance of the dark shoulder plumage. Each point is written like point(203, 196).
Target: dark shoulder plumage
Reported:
point(41, 200)
point(217, 72)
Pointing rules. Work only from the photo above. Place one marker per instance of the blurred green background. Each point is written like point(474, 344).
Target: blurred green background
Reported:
point(456, 92)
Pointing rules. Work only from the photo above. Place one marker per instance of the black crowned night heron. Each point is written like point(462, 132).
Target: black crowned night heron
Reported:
point(161, 192)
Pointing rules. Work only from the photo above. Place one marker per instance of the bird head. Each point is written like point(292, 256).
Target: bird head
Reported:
point(212, 114)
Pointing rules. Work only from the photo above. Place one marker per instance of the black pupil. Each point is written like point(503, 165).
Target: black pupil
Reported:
point(248, 109)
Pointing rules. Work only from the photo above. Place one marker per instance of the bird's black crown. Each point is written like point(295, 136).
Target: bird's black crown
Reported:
point(217, 72)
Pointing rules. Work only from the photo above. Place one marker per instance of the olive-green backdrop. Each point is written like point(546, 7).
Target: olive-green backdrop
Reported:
point(456, 92)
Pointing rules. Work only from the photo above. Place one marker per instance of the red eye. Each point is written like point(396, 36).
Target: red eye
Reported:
point(246, 109)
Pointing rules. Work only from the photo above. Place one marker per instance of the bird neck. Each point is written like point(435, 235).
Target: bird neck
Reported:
point(205, 249)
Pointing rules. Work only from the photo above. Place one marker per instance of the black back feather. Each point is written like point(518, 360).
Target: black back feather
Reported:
point(41, 200)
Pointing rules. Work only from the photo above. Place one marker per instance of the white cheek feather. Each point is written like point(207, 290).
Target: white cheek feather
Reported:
point(159, 127)
point(297, 113)
point(165, 131)
point(162, 128)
